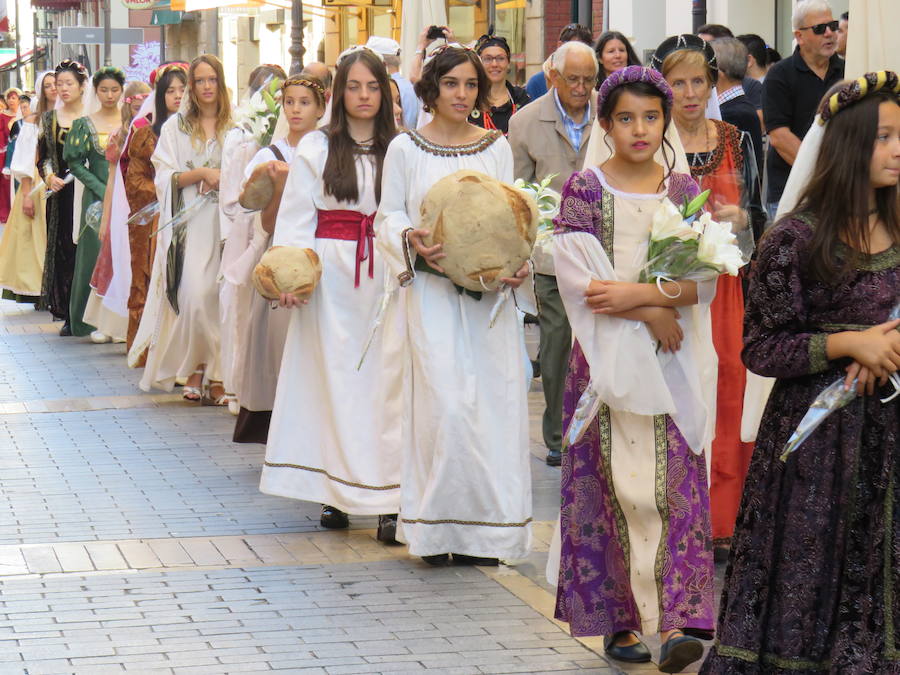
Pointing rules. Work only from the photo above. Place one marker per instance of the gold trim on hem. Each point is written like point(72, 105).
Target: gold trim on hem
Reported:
point(285, 465)
point(450, 521)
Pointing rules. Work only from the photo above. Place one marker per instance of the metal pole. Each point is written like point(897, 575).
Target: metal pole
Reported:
point(584, 13)
point(107, 34)
point(296, 50)
point(699, 13)
point(162, 43)
point(18, 48)
point(492, 13)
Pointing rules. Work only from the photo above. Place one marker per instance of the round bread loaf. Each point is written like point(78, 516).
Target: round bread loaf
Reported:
point(287, 269)
point(487, 228)
point(258, 190)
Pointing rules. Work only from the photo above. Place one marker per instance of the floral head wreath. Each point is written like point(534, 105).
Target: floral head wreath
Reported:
point(677, 43)
point(136, 97)
point(112, 72)
point(295, 80)
point(356, 48)
point(634, 74)
point(165, 68)
point(443, 48)
point(73, 66)
point(856, 90)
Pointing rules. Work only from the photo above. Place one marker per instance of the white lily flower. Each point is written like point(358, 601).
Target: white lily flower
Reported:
point(667, 223)
point(717, 246)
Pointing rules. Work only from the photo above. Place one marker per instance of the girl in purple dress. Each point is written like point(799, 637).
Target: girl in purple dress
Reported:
point(636, 551)
point(812, 583)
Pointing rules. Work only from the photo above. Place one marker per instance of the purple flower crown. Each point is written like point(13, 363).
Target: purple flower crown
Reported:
point(634, 74)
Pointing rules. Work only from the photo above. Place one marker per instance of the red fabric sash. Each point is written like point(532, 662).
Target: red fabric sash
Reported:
point(350, 226)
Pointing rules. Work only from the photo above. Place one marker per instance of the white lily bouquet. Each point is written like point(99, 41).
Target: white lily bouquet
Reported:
point(258, 115)
point(684, 246)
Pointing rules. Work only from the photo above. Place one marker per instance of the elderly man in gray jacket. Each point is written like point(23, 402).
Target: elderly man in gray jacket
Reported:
point(550, 136)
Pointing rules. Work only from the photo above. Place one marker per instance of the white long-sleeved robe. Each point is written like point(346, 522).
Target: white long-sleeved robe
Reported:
point(179, 343)
point(466, 485)
point(325, 440)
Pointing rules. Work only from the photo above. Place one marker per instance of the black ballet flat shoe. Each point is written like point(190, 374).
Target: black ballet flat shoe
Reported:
point(637, 653)
point(438, 560)
point(460, 559)
point(333, 518)
point(554, 458)
point(678, 653)
point(387, 529)
point(66, 330)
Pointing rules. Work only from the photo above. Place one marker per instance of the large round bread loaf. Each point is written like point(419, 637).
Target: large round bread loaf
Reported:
point(487, 228)
point(287, 269)
point(258, 190)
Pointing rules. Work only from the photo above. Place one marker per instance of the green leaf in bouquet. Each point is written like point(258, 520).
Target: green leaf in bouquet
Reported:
point(694, 206)
point(270, 101)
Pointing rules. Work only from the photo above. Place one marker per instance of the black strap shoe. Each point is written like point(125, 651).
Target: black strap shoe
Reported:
point(636, 653)
point(438, 560)
point(678, 652)
point(387, 529)
point(66, 330)
point(554, 458)
point(333, 518)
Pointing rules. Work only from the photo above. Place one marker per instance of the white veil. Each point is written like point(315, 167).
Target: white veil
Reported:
point(599, 150)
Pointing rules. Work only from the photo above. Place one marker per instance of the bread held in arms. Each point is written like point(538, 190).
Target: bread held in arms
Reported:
point(287, 269)
point(487, 228)
point(258, 189)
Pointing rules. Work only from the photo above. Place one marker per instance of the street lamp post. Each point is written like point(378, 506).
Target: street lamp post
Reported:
point(296, 49)
point(698, 11)
point(107, 34)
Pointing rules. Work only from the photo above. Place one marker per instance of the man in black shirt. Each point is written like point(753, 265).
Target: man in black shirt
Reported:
point(793, 88)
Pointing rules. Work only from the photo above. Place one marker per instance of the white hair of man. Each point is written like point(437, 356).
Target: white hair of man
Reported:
point(573, 46)
point(806, 7)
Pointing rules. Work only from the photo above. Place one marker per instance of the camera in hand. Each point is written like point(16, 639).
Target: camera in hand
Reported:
point(435, 33)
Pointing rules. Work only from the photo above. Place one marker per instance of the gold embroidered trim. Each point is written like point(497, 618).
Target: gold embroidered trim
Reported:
point(818, 357)
point(450, 521)
point(454, 150)
point(607, 229)
point(363, 486)
point(661, 438)
point(605, 423)
point(772, 659)
point(890, 645)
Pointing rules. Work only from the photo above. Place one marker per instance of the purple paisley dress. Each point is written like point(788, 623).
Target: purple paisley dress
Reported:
point(812, 584)
point(594, 593)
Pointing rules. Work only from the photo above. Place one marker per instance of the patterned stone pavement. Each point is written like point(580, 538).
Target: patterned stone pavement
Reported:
point(133, 538)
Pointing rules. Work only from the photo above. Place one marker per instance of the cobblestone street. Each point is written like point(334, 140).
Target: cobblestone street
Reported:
point(133, 537)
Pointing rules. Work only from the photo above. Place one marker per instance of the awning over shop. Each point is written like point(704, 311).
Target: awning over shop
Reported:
point(57, 5)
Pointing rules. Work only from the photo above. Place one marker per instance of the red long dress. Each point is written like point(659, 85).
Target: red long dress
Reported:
point(730, 457)
point(5, 199)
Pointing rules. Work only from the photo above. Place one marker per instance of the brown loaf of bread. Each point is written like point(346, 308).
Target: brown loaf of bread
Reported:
point(487, 228)
point(287, 269)
point(258, 190)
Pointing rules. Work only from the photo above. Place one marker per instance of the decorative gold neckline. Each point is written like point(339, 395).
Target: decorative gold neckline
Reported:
point(454, 150)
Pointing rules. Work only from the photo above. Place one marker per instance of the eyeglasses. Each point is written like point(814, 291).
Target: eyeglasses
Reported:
point(488, 60)
point(820, 28)
point(573, 81)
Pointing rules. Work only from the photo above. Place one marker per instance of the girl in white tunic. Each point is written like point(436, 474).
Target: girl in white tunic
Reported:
point(180, 324)
point(323, 434)
point(466, 486)
point(264, 332)
point(237, 228)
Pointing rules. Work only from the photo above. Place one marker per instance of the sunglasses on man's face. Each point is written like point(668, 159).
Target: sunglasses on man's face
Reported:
point(820, 28)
